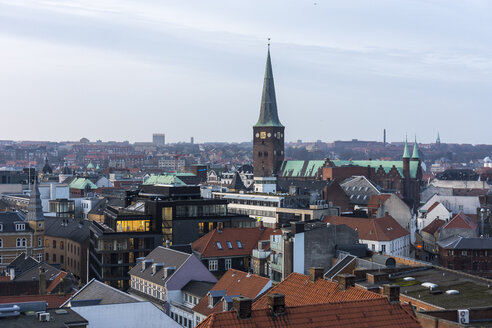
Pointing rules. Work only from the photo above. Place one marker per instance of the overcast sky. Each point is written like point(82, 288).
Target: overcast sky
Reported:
point(121, 70)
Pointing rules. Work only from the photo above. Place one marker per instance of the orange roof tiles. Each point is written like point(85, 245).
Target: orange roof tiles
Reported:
point(298, 290)
point(461, 220)
point(54, 301)
point(228, 238)
point(382, 229)
point(434, 226)
point(234, 282)
point(374, 200)
point(56, 281)
point(361, 313)
point(433, 206)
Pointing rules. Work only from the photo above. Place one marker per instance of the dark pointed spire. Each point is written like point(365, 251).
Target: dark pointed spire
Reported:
point(268, 110)
point(35, 208)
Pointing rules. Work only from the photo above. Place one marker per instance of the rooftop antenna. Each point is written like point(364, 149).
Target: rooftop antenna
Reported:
point(268, 43)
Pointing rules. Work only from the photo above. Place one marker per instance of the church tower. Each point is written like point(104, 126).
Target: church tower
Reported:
point(35, 219)
point(268, 132)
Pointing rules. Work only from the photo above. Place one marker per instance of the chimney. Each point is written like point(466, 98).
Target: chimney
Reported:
point(12, 273)
point(276, 303)
point(392, 292)
point(316, 273)
point(242, 306)
point(260, 225)
point(42, 281)
point(345, 281)
point(220, 226)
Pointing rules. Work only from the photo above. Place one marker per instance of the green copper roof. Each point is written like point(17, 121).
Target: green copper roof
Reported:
point(406, 153)
point(90, 166)
point(438, 140)
point(415, 153)
point(308, 169)
point(165, 179)
point(268, 109)
point(81, 183)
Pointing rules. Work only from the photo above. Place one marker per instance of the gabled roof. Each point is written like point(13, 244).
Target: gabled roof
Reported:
point(373, 313)
point(462, 221)
point(168, 257)
point(22, 263)
point(385, 228)
point(298, 290)
point(198, 288)
point(33, 273)
point(433, 206)
point(434, 226)
point(233, 283)
point(82, 183)
point(458, 242)
point(237, 182)
point(104, 294)
point(300, 169)
point(375, 200)
point(231, 241)
point(166, 179)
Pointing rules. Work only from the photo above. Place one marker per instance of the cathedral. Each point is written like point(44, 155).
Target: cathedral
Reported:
point(402, 177)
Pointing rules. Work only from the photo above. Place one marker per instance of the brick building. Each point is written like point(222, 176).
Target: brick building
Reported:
point(470, 255)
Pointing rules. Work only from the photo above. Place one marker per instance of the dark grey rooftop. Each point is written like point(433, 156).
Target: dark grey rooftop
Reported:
point(76, 230)
point(97, 292)
point(458, 242)
point(9, 219)
point(198, 288)
point(58, 319)
point(33, 273)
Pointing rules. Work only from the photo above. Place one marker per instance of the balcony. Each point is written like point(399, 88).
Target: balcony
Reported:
point(261, 254)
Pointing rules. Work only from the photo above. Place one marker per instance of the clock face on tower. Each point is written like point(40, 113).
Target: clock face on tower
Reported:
point(257, 135)
point(263, 135)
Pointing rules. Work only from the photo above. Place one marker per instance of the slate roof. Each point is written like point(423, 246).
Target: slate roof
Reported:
point(375, 313)
point(458, 242)
point(462, 221)
point(198, 288)
point(33, 273)
point(237, 182)
point(434, 226)
point(76, 230)
point(104, 294)
point(233, 282)
point(35, 208)
point(22, 263)
point(167, 256)
point(226, 242)
point(339, 266)
point(8, 220)
point(360, 189)
point(298, 290)
point(382, 229)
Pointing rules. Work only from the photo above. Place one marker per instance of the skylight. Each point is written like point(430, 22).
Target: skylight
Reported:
point(219, 245)
point(239, 245)
point(229, 245)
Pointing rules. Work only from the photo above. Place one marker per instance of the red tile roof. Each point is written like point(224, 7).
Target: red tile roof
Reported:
point(54, 301)
point(374, 200)
point(56, 281)
point(298, 290)
point(208, 245)
point(461, 220)
point(375, 313)
point(234, 282)
point(434, 226)
point(433, 206)
point(381, 229)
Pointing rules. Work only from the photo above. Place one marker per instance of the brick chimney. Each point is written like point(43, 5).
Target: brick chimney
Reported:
point(276, 303)
point(345, 281)
point(42, 281)
point(220, 227)
point(392, 292)
point(242, 306)
point(316, 273)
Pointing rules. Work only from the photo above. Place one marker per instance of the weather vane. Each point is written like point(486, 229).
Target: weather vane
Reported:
point(269, 43)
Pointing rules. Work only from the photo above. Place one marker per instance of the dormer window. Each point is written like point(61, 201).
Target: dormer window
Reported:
point(1, 227)
point(20, 227)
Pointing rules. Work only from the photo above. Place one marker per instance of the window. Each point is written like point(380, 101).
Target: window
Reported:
point(61, 244)
point(54, 243)
point(54, 258)
point(20, 242)
point(239, 245)
point(464, 253)
point(229, 245)
point(61, 259)
point(20, 227)
point(40, 257)
point(219, 245)
point(373, 247)
point(383, 248)
point(212, 265)
point(1, 242)
point(228, 264)
point(47, 257)
point(40, 241)
point(1, 227)
point(1, 261)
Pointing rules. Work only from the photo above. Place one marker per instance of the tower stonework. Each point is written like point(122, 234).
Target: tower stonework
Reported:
point(268, 132)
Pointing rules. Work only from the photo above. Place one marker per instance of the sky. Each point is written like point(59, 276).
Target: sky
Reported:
point(122, 70)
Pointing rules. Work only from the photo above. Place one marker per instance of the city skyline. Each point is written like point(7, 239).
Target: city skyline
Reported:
point(117, 70)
